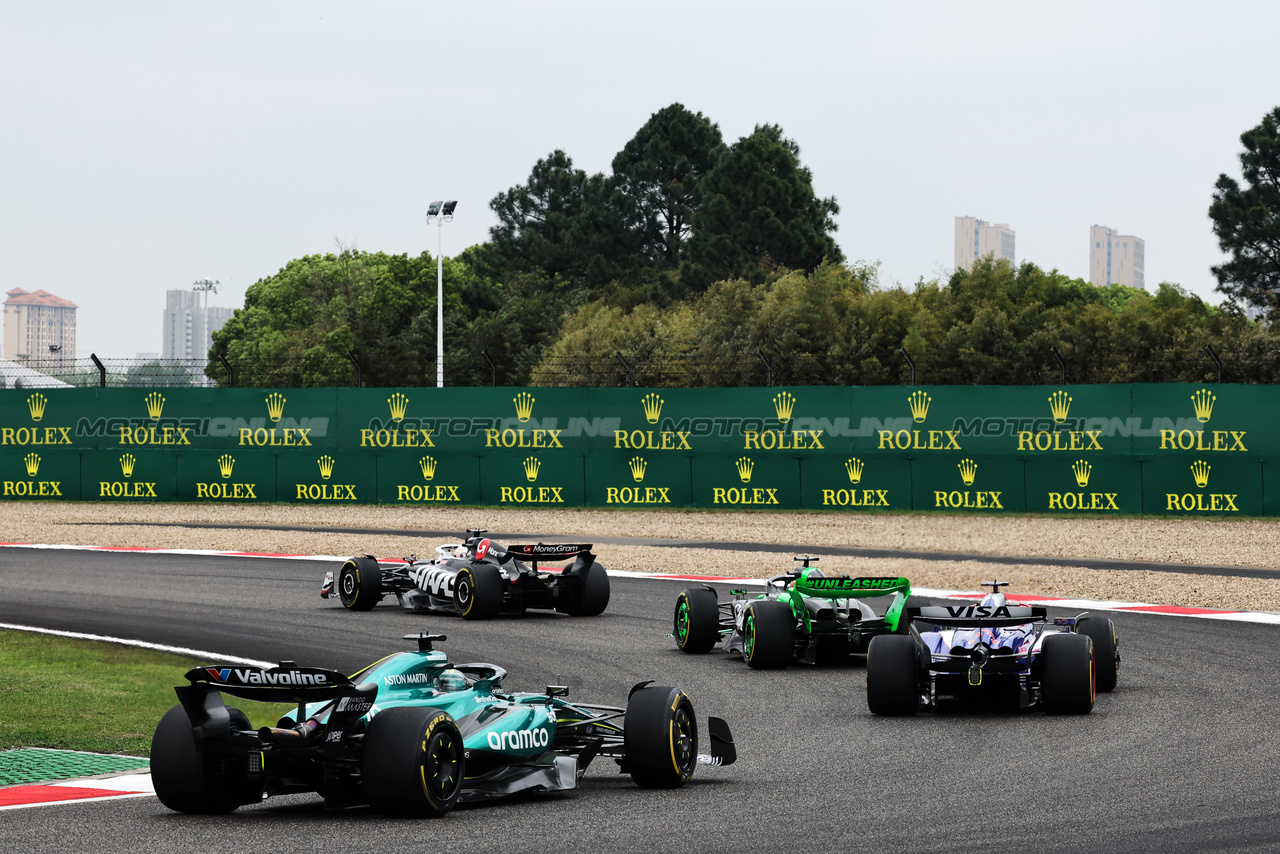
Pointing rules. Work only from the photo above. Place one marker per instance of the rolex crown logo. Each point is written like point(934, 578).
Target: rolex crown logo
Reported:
point(155, 405)
point(854, 467)
point(968, 471)
point(36, 404)
point(127, 462)
point(398, 403)
point(326, 466)
point(637, 466)
point(226, 463)
point(1200, 471)
point(919, 406)
point(428, 465)
point(531, 466)
point(1082, 469)
point(1203, 401)
point(784, 404)
point(1059, 405)
point(652, 407)
point(275, 405)
point(524, 405)
point(33, 464)
point(745, 467)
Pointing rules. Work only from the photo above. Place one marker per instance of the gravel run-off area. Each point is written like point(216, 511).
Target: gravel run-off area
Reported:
point(1214, 542)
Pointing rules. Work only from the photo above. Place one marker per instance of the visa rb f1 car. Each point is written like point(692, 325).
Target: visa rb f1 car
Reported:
point(995, 653)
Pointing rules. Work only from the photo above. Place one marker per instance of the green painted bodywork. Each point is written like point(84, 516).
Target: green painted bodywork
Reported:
point(812, 584)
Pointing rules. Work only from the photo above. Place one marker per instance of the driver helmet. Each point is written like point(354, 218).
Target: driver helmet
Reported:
point(451, 680)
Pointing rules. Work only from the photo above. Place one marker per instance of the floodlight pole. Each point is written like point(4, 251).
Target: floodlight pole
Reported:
point(442, 212)
point(440, 302)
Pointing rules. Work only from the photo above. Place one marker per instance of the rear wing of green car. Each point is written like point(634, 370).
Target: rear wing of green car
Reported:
point(822, 587)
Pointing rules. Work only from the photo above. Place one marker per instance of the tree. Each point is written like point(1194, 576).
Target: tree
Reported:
point(658, 173)
point(560, 224)
point(1246, 219)
point(759, 212)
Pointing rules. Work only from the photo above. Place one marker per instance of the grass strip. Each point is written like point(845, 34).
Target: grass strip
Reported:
point(90, 695)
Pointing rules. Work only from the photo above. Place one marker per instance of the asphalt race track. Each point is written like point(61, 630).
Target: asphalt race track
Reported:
point(1181, 757)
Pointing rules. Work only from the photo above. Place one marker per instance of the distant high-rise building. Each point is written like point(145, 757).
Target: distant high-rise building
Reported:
point(1116, 259)
point(976, 239)
point(189, 325)
point(38, 326)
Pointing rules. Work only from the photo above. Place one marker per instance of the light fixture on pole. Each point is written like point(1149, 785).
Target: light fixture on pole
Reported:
point(441, 212)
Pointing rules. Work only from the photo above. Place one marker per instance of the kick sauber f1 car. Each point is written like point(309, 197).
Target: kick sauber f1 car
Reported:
point(411, 735)
point(802, 616)
point(993, 653)
point(479, 579)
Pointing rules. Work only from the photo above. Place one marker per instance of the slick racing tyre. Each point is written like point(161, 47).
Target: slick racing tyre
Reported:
point(592, 595)
point(359, 583)
point(1106, 655)
point(697, 620)
point(1067, 684)
point(187, 780)
point(412, 762)
point(660, 737)
point(477, 592)
point(893, 665)
point(768, 634)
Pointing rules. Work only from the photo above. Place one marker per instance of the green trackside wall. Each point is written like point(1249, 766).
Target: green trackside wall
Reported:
point(1159, 449)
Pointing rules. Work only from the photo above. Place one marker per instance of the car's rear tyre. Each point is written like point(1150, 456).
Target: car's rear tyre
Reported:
point(412, 762)
point(660, 736)
point(912, 602)
point(1067, 685)
point(187, 780)
point(360, 583)
point(697, 620)
point(768, 634)
point(1106, 655)
point(477, 592)
point(592, 595)
point(893, 665)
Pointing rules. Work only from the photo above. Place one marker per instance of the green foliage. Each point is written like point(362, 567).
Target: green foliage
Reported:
point(1246, 220)
point(759, 213)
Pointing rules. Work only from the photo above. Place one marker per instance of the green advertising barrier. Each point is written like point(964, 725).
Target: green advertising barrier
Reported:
point(39, 474)
point(1068, 449)
point(534, 478)
point(973, 483)
point(1082, 484)
point(245, 476)
point(856, 483)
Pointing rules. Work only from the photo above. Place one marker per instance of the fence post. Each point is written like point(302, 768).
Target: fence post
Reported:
point(1062, 366)
point(1218, 362)
point(493, 369)
point(631, 377)
point(768, 368)
point(910, 364)
point(231, 375)
point(359, 373)
point(102, 370)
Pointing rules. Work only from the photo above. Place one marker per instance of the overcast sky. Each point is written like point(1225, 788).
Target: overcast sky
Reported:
point(144, 146)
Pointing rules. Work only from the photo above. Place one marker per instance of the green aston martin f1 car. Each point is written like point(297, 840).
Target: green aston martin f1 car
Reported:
point(411, 735)
point(802, 616)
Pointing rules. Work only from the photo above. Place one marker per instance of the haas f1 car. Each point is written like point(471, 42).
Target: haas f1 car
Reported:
point(802, 616)
point(412, 735)
point(993, 653)
point(479, 578)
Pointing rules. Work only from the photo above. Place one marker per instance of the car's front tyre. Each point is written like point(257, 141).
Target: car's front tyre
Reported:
point(359, 584)
point(660, 736)
point(477, 592)
point(768, 634)
point(1106, 655)
point(697, 620)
